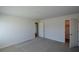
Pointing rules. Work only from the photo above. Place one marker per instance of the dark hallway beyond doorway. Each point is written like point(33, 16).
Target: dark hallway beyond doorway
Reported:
point(36, 33)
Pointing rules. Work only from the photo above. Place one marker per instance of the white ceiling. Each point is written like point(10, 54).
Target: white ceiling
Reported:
point(39, 12)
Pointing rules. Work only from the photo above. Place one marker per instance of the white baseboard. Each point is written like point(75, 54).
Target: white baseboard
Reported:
point(13, 44)
point(52, 39)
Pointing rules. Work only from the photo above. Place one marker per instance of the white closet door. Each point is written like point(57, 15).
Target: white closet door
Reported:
point(73, 32)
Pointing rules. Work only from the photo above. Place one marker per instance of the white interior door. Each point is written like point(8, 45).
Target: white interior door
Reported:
point(73, 33)
point(41, 29)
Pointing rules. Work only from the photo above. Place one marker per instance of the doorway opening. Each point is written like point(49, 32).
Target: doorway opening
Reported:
point(37, 29)
point(67, 32)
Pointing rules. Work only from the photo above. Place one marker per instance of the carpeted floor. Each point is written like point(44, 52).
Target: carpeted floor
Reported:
point(39, 45)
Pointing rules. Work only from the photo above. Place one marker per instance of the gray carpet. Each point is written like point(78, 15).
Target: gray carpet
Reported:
point(39, 45)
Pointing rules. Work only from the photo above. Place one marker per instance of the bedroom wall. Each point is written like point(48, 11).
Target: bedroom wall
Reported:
point(54, 27)
point(14, 30)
